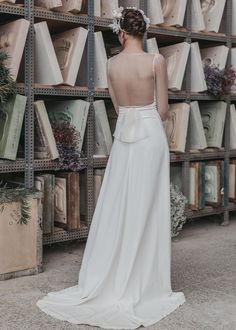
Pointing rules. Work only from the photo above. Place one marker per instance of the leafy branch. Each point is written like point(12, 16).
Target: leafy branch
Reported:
point(21, 195)
point(7, 84)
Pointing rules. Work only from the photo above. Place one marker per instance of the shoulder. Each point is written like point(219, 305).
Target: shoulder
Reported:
point(110, 62)
point(159, 59)
point(112, 58)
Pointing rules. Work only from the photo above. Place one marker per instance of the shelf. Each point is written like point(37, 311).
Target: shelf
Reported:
point(232, 206)
point(61, 91)
point(233, 39)
point(182, 95)
point(168, 31)
point(208, 210)
point(196, 155)
point(101, 92)
point(204, 96)
point(44, 90)
point(184, 33)
point(209, 36)
point(206, 155)
point(102, 22)
point(174, 157)
point(101, 162)
point(8, 166)
point(61, 235)
point(78, 91)
point(178, 95)
point(232, 153)
point(233, 97)
point(19, 165)
point(60, 17)
point(13, 9)
point(173, 95)
point(49, 165)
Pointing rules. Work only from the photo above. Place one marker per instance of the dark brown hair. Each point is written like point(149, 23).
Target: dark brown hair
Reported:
point(133, 23)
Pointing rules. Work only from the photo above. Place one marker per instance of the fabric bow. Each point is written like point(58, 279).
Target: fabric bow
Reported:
point(130, 126)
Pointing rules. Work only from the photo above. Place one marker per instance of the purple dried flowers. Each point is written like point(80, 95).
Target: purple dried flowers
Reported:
point(229, 79)
point(219, 82)
point(67, 140)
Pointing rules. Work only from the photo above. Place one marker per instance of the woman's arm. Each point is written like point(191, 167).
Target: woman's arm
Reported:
point(161, 77)
point(110, 88)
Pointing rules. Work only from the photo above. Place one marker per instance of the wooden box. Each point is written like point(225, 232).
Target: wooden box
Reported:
point(232, 180)
point(197, 185)
point(20, 244)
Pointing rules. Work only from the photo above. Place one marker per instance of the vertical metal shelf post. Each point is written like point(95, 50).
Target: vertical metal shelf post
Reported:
point(186, 164)
point(91, 119)
point(29, 92)
point(144, 7)
point(227, 120)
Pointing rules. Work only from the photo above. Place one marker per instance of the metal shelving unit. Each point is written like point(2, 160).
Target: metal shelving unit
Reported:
point(29, 165)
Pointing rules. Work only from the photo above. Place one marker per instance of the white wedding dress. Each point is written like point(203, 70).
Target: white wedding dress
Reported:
point(125, 280)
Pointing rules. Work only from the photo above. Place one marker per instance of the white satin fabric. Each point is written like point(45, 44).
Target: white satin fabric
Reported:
point(125, 279)
point(130, 126)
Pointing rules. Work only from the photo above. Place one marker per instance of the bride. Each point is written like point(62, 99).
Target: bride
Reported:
point(125, 279)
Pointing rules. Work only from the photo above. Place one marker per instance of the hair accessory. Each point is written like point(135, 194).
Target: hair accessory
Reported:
point(117, 16)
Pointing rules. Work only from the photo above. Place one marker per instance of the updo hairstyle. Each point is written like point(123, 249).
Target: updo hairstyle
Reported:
point(133, 23)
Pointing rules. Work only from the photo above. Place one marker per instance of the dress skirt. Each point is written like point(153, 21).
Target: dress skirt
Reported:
point(125, 278)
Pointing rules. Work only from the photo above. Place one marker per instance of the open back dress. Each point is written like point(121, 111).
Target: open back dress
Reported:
point(125, 278)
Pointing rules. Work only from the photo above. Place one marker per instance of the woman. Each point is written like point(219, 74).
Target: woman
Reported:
point(124, 280)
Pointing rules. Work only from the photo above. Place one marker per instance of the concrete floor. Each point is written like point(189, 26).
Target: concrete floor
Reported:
point(203, 267)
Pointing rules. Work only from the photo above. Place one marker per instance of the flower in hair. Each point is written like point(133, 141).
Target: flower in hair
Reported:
point(117, 12)
point(117, 16)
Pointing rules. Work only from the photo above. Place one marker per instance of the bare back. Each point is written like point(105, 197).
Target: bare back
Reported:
point(138, 79)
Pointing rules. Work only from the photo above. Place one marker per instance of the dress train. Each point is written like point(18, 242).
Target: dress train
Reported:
point(124, 280)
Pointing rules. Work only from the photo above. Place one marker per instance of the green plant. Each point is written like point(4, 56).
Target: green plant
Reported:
point(19, 194)
point(7, 84)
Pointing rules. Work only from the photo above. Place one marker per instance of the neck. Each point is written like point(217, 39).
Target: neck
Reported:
point(133, 46)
